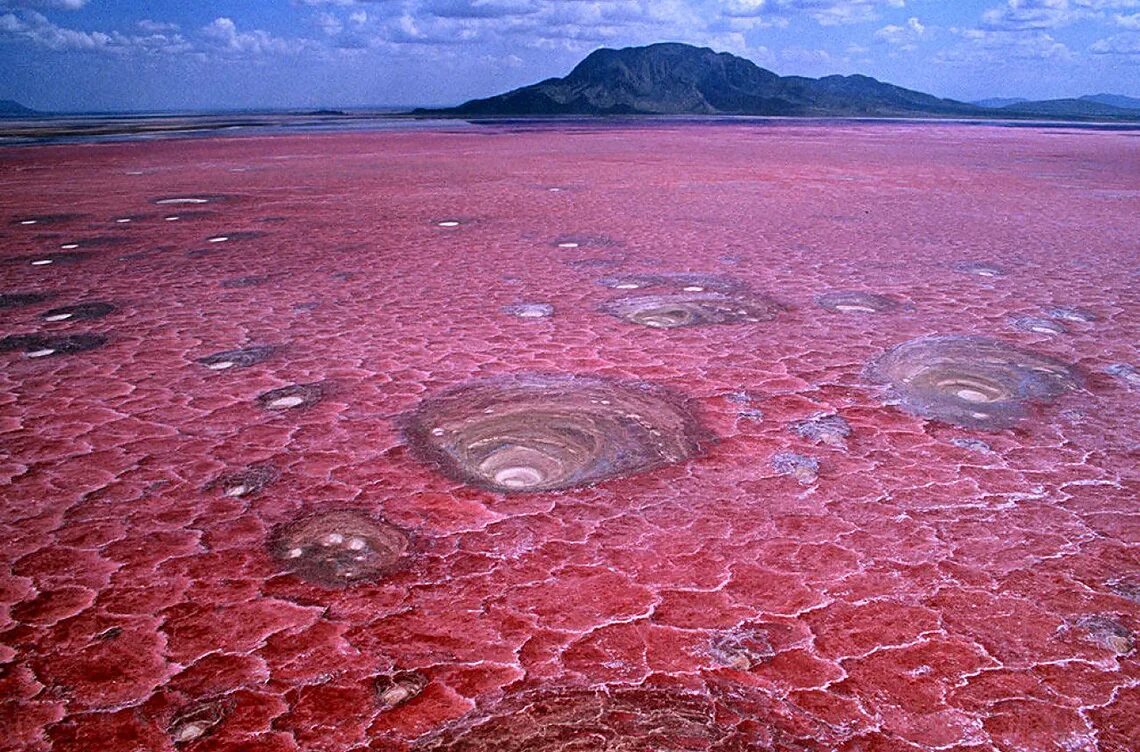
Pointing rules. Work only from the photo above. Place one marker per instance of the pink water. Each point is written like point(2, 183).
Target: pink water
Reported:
point(922, 586)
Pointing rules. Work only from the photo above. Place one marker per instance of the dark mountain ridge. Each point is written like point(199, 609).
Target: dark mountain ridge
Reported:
point(678, 79)
point(12, 108)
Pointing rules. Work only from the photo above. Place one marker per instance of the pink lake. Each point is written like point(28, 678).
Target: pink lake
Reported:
point(528, 438)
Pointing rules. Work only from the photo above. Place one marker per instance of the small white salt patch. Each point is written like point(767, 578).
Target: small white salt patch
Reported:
point(985, 273)
point(41, 353)
point(57, 317)
point(221, 365)
point(554, 190)
point(294, 553)
point(1042, 330)
point(69, 246)
point(971, 395)
point(218, 239)
point(693, 288)
point(286, 402)
point(333, 539)
point(531, 313)
point(437, 432)
point(447, 223)
point(183, 201)
point(627, 286)
point(240, 490)
point(357, 544)
point(174, 218)
point(567, 245)
point(845, 308)
point(42, 262)
point(133, 172)
point(28, 221)
point(123, 220)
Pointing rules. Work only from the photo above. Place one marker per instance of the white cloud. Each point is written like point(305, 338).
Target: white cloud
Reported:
point(999, 47)
point(63, 4)
point(1125, 45)
point(902, 37)
point(33, 27)
point(223, 32)
point(1048, 14)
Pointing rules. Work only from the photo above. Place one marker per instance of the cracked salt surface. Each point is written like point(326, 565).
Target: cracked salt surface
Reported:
point(668, 538)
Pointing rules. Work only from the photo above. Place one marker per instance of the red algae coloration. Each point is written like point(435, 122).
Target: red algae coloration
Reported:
point(335, 445)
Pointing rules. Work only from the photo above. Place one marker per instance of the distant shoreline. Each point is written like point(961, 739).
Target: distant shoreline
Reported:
point(16, 131)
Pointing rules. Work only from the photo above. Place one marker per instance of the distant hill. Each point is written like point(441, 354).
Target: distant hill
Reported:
point(1083, 108)
point(678, 79)
point(999, 102)
point(10, 108)
point(1114, 100)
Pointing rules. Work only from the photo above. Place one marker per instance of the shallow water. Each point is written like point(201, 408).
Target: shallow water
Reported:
point(349, 441)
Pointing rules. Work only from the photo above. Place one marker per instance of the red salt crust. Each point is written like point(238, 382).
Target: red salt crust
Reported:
point(933, 587)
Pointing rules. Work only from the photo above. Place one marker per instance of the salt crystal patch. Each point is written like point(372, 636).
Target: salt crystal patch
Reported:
point(41, 262)
point(218, 239)
point(285, 402)
point(58, 317)
point(41, 353)
point(220, 365)
point(69, 246)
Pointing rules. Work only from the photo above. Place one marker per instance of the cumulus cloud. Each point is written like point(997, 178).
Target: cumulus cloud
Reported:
point(62, 4)
point(1021, 15)
point(904, 37)
point(1125, 45)
point(225, 36)
point(824, 12)
point(999, 47)
point(33, 27)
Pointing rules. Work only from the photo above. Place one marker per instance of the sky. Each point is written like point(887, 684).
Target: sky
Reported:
point(146, 55)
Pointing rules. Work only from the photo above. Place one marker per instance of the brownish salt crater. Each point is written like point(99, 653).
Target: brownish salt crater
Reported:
point(974, 382)
point(538, 432)
point(615, 719)
point(339, 548)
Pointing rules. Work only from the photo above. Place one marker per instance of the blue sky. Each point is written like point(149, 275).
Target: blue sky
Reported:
point(174, 54)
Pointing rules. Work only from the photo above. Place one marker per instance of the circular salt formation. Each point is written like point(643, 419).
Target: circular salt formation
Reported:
point(1038, 326)
point(974, 382)
point(20, 299)
point(41, 345)
point(1079, 315)
point(679, 281)
point(980, 269)
point(243, 482)
point(45, 219)
point(691, 309)
point(339, 548)
point(60, 257)
point(542, 433)
point(852, 301)
point(614, 719)
point(197, 722)
point(78, 312)
point(289, 397)
point(193, 200)
point(240, 358)
point(530, 310)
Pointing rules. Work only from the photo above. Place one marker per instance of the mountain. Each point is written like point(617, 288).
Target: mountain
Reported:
point(10, 108)
point(1067, 109)
point(678, 79)
point(1114, 100)
point(998, 102)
